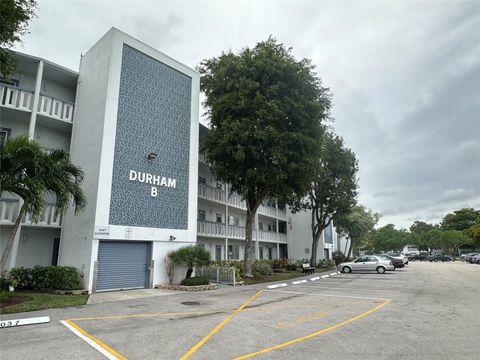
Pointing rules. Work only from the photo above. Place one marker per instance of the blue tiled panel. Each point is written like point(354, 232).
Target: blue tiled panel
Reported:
point(153, 116)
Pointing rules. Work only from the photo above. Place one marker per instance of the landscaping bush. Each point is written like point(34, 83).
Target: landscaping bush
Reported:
point(194, 281)
point(4, 282)
point(291, 267)
point(45, 277)
point(261, 268)
point(326, 264)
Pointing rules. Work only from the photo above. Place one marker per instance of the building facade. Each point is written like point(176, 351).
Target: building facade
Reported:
point(129, 118)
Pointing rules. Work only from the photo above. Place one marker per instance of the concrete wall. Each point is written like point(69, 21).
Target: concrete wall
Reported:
point(52, 138)
point(58, 91)
point(36, 246)
point(86, 145)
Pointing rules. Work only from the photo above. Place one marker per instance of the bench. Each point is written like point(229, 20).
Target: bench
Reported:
point(307, 269)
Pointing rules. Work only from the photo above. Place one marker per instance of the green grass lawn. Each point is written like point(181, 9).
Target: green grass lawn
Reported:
point(31, 301)
point(278, 276)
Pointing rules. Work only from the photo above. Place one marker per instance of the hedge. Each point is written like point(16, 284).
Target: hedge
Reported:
point(194, 281)
point(44, 278)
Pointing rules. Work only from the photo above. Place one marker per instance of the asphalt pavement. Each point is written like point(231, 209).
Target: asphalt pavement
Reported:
point(424, 311)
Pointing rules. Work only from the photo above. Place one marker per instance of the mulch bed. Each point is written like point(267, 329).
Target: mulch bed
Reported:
point(14, 300)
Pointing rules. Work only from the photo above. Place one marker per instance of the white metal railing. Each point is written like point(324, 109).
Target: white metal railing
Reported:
point(266, 236)
point(267, 210)
point(9, 211)
point(16, 98)
point(236, 232)
point(55, 108)
point(235, 200)
point(209, 228)
point(218, 274)
point(211, 193)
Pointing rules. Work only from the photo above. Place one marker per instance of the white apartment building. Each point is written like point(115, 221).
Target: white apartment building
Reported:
point(129, 118)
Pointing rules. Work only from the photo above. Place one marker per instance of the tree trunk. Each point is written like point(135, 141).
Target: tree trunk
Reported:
point(189, 273)
point(247, 258)
point(350, 249)
point(11, 238)
point(315, 238)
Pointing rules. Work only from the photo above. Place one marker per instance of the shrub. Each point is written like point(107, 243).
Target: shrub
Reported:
point(291, 267)
point(261, 268)
point(194, 281)
point(326, 264)
point(4, 282)
point(191, 256)
point(45, 277)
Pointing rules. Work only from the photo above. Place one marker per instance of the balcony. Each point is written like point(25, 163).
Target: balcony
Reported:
point(211, 193)
point(20, 99)
point(234, 200)
point(220, 230)
point(9, 211)
point(16, 98)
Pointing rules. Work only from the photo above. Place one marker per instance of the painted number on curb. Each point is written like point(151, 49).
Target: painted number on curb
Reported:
point(9, 323)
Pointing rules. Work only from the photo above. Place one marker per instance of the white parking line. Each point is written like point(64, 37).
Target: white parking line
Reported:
point(327, 295)
point(315, 278)
point(299, 282)
point(277, 286)
point(324, 276)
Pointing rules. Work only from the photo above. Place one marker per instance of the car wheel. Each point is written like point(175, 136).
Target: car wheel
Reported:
point(394, 268)
point(346, 269)
point(381, 270)
point(435, 260)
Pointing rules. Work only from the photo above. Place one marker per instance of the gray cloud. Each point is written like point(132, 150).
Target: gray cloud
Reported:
point(405, 78)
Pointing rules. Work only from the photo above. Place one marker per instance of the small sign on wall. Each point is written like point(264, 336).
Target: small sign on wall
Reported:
point(101, 232)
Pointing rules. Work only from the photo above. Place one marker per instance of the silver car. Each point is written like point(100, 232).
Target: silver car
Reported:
point(367, 263)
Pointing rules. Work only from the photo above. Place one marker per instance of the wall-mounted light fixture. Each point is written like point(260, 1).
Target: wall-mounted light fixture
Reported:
point(152, 156)
point(172, 237)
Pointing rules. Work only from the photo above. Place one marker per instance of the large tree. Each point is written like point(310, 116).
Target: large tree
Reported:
point(356, 225)
point(452, 239)
point(265, 110)
point(460, 219)
point(333, 191)
point(473, 232)
point(15, 16)
point(32, 173)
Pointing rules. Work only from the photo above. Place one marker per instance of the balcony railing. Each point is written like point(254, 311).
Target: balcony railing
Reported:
point(55, 108)
point(220, 230)
point(211, 193)
point(16, 98)
point(235, 200)
point(9, 211)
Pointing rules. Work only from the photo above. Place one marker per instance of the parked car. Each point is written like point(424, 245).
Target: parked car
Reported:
point(475, 259)
point(400, 256)
point(470, 256)
point(435, 258)
point(367, 263)
point(417, 258)
point(396, 262)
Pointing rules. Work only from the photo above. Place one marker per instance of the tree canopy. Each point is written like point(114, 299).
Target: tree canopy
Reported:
point(333, 191)
point(190, 256)
point(460, 219)
point(265, 110)
point(356, 225)
point(16, 14)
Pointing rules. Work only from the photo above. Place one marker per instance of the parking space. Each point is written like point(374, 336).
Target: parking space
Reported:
point(344, 316)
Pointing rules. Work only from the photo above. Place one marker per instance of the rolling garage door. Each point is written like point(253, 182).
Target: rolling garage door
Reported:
point(123, 265)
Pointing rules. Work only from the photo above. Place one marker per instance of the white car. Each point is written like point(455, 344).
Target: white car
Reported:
point(367, 263)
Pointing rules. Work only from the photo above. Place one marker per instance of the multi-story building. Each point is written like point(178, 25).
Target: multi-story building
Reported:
point(129, 119)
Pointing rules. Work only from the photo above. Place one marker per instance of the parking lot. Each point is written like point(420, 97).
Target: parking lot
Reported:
point(426, 310)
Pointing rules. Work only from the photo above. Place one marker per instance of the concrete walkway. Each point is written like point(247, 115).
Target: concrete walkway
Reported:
point(104, 297)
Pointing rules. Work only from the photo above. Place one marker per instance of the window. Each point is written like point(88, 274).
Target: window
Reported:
point(327, 234)
point(218, 218)
point(361, 259)
point(261, 252)
point(202, 180)
point(269, 227)
point(218, 252)
point(233, 252)
point(201, 215)
point(260, 226)
point(326, 254)
point(4, 135)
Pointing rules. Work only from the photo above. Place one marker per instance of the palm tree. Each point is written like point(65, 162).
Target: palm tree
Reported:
point(191, 256)
point(29, 171)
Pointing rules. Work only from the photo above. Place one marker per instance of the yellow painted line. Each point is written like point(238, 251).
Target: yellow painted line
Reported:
point(294, 341)
point(219, 326)
point(97, 341)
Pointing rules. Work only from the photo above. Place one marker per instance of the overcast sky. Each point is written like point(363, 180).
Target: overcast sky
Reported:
point(405, 78)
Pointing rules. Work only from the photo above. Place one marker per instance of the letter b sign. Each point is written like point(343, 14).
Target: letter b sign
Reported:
point(153, 191)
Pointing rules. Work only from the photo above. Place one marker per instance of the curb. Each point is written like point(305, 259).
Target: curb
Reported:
point(298, 282)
